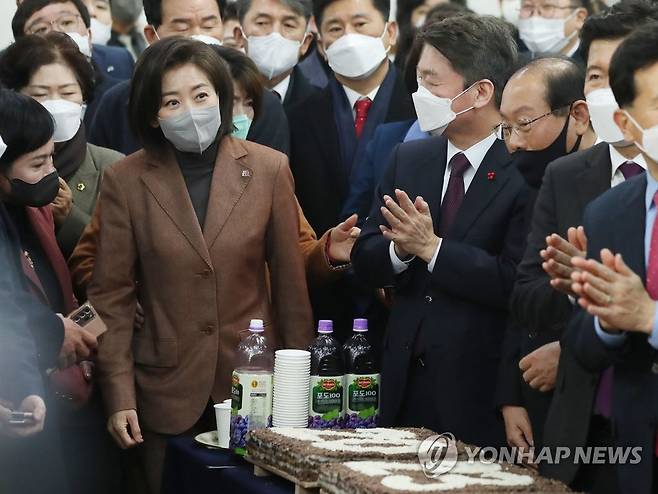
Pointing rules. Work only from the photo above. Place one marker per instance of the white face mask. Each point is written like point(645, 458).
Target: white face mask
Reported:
point(100, 33)
point(82, 42)
point(649, 144)
point(356, 56)
point(192, 131)
point(209, 40)
point(543, 35)
point(67, 116)
point(273, 54)
point(420, 22)
point(435, 113)
point(602, 105)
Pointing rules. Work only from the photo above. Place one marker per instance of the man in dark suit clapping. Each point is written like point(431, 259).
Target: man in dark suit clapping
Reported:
point(447, 231)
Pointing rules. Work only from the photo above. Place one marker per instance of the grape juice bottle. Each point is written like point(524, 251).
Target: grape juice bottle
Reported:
point(326, 389)
point(251, 386)
point(361, 397)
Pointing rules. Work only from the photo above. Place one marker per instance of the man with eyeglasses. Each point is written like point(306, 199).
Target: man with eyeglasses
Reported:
point(580, 408)
point(73, 18)
point(552, 26)
point(544, 117)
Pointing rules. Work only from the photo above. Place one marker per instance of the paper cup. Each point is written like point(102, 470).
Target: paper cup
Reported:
point(223, 418)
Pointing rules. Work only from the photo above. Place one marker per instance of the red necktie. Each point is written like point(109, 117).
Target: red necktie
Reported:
point(652, 269)
point(362, 107)
point(454, 195)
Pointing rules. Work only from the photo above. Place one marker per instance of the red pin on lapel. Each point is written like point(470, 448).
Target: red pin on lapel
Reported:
point(491, 176)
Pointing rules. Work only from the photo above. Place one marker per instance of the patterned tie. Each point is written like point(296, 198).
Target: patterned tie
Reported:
point(454, 193)
point(652, 269)
point(362, 107)
point(630, 169)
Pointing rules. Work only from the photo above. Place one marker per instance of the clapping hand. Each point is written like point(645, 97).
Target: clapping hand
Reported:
point(343, 237)
point(558, 254)
point(611, 291)
point(410, 226)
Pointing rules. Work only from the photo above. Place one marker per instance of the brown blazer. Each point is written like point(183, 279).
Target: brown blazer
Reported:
point(318, 268)
point(198, 289)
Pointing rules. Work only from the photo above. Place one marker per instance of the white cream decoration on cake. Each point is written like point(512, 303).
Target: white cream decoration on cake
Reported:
point(464, 474)
point(379, 440)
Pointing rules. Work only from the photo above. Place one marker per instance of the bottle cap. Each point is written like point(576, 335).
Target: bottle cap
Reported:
point(360, 325)
point(256, 326)
point(325, 326)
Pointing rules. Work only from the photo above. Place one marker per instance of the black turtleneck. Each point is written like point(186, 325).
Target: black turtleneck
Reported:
point(197, 171)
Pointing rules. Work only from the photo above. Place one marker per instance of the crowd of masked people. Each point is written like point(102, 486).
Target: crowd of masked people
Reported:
point(482, 188)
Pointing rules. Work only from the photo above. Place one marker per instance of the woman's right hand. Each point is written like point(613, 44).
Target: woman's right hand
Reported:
point(124, 428)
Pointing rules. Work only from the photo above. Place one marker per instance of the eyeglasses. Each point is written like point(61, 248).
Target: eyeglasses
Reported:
point(546, 10)
point(504, 130)
point(63, 24)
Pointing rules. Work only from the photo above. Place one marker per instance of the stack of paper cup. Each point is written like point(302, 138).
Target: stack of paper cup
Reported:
point(292, 377)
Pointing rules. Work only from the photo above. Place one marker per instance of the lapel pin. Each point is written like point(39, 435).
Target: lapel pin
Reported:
point(246, 173)
point(491, 176)
point(81, 186)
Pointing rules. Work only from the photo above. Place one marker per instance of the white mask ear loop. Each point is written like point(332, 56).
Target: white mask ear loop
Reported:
point(640, 128)
point(382, 37)
point(463, 92)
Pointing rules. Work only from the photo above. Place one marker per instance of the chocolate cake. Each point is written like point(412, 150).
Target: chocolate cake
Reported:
point(302, 453)
point(395, 477)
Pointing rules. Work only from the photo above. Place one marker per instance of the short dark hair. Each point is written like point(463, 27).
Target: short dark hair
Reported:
point(153, 11)
point(29, 7)
point(412, 54)
point(22, 59)
point(244, 72)
point(146, 85)
point(406, 8)
point(319, 6)
point(638, 51)
point(478, 47)
point(564, 80)
point(230, 12)
point(299, 7)
point(617, 22)
point(25, 126)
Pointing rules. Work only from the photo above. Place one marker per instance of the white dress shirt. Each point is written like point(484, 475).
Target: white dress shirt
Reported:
point(617, 160)
point(282, 88)
point(475, 155)
point(353, 97)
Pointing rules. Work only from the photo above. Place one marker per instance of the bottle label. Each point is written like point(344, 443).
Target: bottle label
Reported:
point(361, 400)
point(326, 402)
point(251, 406)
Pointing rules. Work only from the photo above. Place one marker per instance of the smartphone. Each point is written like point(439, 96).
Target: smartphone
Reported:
point(21, 418)
point(87, 317)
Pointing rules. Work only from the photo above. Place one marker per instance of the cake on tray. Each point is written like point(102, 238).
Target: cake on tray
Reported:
point(395, 477)
point(302, 453)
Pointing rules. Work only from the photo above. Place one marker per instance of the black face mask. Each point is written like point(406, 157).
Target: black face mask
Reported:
point(532, 164)
point(35, 195)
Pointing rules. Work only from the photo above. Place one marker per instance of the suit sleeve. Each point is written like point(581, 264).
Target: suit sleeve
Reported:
point(69, 233)
point(81, 262)
point(473, 273)
point(534, 303)
point(290, 298)
point(370, 255)
point(508, 389)
point(581, 337)
point(112, 292)
point(271, 126)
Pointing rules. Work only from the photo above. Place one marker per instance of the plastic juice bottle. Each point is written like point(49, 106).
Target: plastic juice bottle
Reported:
point(361, 397)
point(251, 386)
point(326, 389)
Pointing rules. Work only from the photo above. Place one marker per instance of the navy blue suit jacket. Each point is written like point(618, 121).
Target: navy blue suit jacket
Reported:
point(113, 61)
point(456, 316)
point(616, 220)
point(370, 170)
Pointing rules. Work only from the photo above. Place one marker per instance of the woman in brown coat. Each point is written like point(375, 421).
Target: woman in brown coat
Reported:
point(193, 222)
